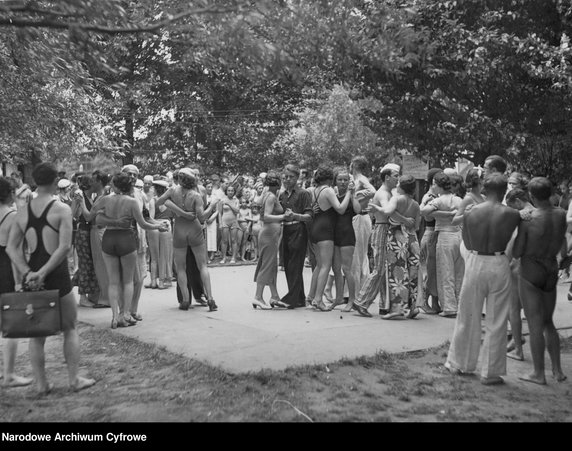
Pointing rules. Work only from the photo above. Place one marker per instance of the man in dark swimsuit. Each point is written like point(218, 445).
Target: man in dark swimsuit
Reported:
point(537, 244)
point(46, 224)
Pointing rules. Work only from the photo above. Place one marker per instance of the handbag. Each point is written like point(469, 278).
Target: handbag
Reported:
point(27, 314)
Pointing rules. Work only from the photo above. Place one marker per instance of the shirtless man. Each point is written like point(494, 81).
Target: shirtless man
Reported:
point(538, 243)
point(518, 199)
point(487, 229)
point(375, 282)
point(46, 224)
point(187, 204)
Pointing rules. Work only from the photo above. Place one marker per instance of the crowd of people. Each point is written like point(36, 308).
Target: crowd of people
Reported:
point(490, 236)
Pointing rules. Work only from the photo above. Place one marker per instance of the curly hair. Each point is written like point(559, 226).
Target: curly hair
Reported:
point(123, 182)
point(272, 179)
point(407, 184)
point(473, 178)
point(442, 180)
point(323, 174)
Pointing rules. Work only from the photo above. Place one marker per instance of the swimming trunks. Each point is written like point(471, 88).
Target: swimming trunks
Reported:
point(59, 278)
point(119, 242)
point(540, 272)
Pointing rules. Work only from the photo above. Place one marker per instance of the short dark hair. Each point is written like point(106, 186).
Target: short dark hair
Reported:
point(123, 182)
point(541, 188)
point(323, 174)
point(517, 194)
point(497, 163)
point(442, 180)
point(44, 173)
point(7, 186)
point(227, 187)
point(101, 177)
point(292, 168)
point(360, 163)
point(496, 183)
point(383, 174)
point(407, 184)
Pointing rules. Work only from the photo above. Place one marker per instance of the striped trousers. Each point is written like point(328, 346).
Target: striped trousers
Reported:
point(375, 282)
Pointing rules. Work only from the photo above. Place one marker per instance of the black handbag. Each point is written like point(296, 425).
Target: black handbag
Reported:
point(27, 314)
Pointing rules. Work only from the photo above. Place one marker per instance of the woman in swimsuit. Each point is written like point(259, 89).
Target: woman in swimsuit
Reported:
point(187, 204)
point(119, 246)
point(228, 222)
point(344, 242)
point(7, 282)
point(326, 209)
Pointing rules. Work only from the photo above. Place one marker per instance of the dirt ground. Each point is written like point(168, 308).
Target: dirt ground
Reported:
point(138, 382)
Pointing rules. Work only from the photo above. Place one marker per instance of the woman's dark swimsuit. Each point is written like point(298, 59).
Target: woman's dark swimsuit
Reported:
point(324, 222)
point(119, 242)
point(344, 234)
point(7, 275)
point(59, 278)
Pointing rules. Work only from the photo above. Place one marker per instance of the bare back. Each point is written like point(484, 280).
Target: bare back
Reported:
point(381, 198)
point(542, 237)
point(488, 227)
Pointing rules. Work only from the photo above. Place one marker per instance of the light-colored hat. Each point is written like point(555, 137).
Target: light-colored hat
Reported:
point(139, 183)
point(449, 171)
point(392, 166)
point(64, 183)
point(162, 183)
point(148, 179)
point(131, 168)
point(187, 171)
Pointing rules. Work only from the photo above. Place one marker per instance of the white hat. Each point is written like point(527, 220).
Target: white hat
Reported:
point(148, 179)
point(139, 183)
point(187, 171)
point(130, 167)
point(162, 183)
point(64, 183)
point(449, 171)
point(392, 166)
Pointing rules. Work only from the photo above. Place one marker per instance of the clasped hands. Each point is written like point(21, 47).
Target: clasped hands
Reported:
point(288, 215)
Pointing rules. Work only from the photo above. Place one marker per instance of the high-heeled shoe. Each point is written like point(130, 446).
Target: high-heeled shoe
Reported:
point(114, 323)
point(136, 317)
point(279, 304)
point(212, 305)
point(122, 322)
point(322, 307)
point(130, 320)
point(261, 304)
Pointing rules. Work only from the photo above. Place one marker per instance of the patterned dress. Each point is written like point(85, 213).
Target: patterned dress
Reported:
point(85, 276)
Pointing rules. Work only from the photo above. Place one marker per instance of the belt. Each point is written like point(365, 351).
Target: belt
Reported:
point(381, 223)
point(291, 223)
point(486, 253)
point(363, 213)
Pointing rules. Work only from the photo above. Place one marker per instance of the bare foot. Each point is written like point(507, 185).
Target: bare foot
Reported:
point(496, 380)
point(534, 379)
point(393, 316)
point(43, 391)
point(17, 381)
point(515, 355)
point(559, 376)
point(82, 383)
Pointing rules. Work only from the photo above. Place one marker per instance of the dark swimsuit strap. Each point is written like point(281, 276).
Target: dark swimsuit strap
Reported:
point(6, 215)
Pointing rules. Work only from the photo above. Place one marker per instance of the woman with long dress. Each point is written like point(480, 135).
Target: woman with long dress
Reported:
point(272, 214)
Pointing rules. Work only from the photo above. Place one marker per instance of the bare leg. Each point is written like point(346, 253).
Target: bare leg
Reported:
point(38, 361)
point(113, 268)
point(347, 253)
point(326, 252)
point(515, 323)
point(9, 357)
point(234, 244)
point(533, 308)
point(138, 278)
point(128, 267)
point(551, 335)
point(201, 258)
point(224, 243)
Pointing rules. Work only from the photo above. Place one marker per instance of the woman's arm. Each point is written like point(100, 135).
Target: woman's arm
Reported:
point(138, 215)
point(179, 211)
point(458, 218)
point(331, 197)
point(233, 205)
point(201, 213)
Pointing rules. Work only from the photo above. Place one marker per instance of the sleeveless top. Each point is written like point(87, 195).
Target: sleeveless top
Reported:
point(59, 278)
point(276, 210)
point(82, 223)
point(7, 278)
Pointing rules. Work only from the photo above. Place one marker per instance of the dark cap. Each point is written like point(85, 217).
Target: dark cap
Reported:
point(431, 173)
